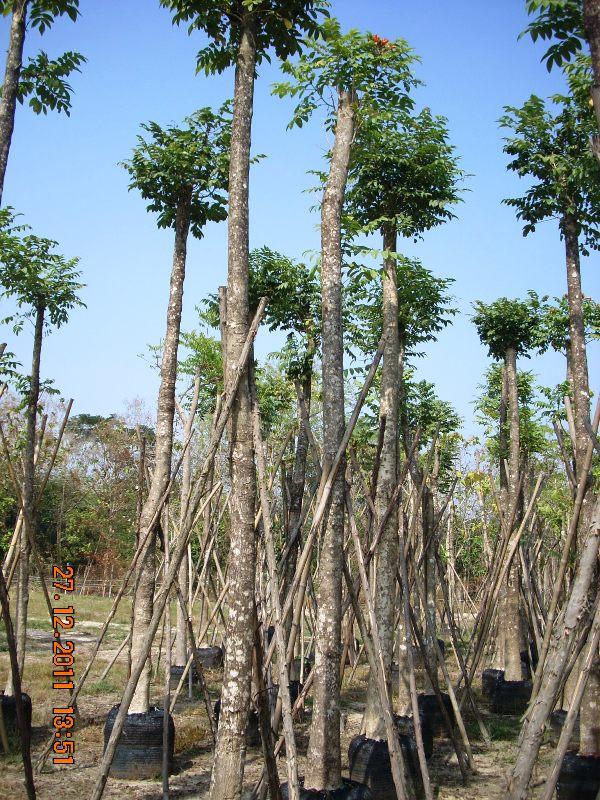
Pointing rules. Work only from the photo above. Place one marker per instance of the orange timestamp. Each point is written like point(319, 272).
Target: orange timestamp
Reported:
point(63, 665)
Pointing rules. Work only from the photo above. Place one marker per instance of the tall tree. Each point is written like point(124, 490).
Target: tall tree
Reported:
point(241, 34)
point(550, 147)
point(43, 80)
point(45, 285)
point(424, 308)
point(370, 79)
point(403, 182)
point(507, 328)
point(182, 172)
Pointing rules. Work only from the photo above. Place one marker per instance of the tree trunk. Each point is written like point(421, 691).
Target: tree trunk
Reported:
point(386, 556)
point(28, 529)
point(228, 766)
point(323, 768)
point(296, 485)
point(10, 87)
point(591, 17)
point(589, 733)
point(181, 638)
point(142, 613)
point(511, 616)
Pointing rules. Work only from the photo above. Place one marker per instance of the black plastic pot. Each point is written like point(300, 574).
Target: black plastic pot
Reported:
point(175, 676)
point(9, 714)
point(406, 727)
point(349, 790)
point(432, 713)
point(511, 697)
point(579, 778)
point(554, 726)
point(210, 657)
point(308, 665)
point(369, 764)
point(252, 729)
point(490, 680)
point(140, 747)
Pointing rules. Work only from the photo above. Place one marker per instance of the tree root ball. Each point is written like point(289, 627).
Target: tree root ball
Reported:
point(252, 728)
point(369, 764)
point(554, 726)
point(511, 698)
point(490, 680)
point(349, 790)
point(406, 727)
point(579, 778)
point(431, 711)
point(210, 657)
point(9, 714)
point(139, 751)
point(175, 676)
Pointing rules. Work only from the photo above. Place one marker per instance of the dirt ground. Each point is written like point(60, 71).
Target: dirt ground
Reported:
point(193, 754)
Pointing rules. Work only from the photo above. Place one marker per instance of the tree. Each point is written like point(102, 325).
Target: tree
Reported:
point(404, 179)
point(43, 80)
point(182, 172)
point(507, 328)
point(550, 147)
point(241, 34)
point(370, 79)
point(45, 285)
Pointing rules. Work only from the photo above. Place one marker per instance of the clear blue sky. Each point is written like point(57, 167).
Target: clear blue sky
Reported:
point(64, 177)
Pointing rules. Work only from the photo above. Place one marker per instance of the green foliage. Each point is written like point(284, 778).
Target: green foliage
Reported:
point(43, 13)
point(550, 147)
point(403, 173)
point(276, 397)
point(292, 290)
point(376, 71)
point(174, 160)
point(203, 358)
point(35, 276)
point(424, 306)
point(426, 411)
point(553, 322)
point(275, 24)
point(533, 432)
point(435, 418)
point(561, 20)
point(506, 323)
point(43, 81)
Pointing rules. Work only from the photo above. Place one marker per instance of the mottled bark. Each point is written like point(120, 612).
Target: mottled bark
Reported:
point(228, 766)
point(10, 86)
point(511, 616)
point(163, 449)
point(579, 380)
point(323, 768)
point(386, 555)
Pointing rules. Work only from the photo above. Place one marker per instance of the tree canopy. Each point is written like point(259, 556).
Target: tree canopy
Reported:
point(34, 275)
point(192, 157)
point(279, 25)
point(549, 146)
point(506, 323)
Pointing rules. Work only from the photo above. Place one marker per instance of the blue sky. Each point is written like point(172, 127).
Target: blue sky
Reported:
point(64, 177)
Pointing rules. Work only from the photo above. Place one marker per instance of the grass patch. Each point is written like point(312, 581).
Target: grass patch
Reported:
point(504, 729)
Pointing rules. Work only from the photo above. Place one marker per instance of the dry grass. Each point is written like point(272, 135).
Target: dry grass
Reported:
point(193, 753)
